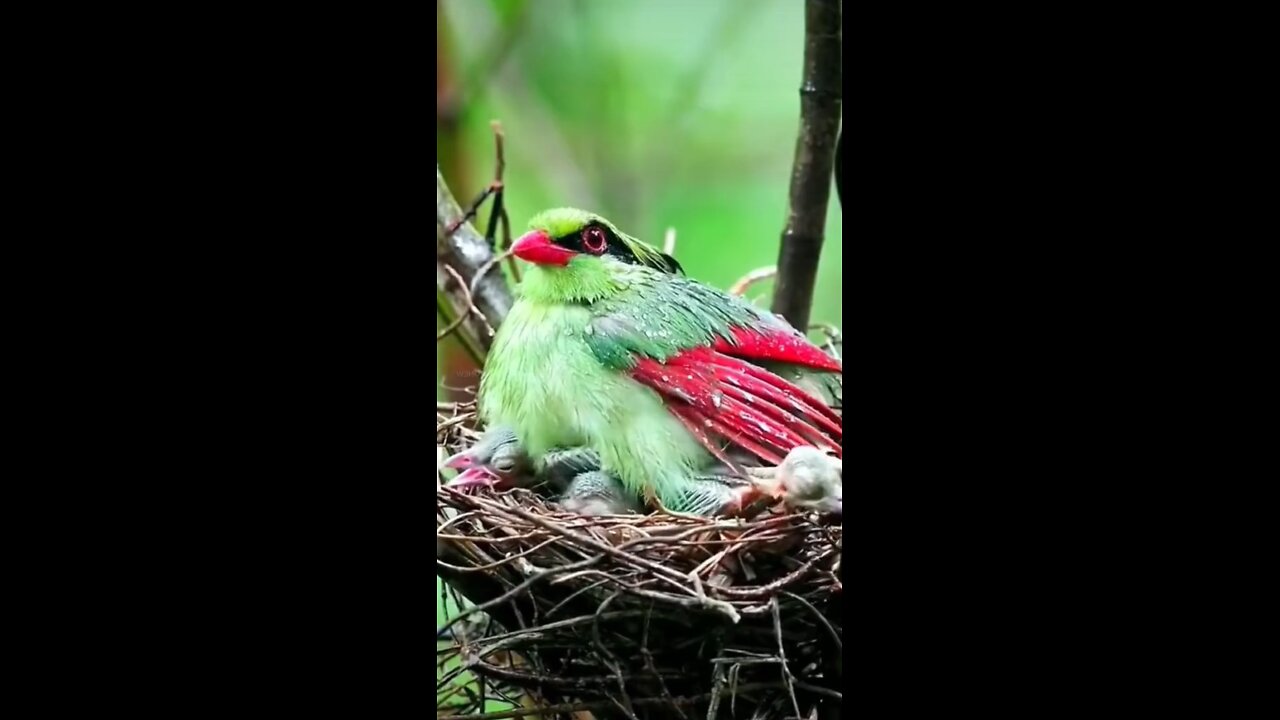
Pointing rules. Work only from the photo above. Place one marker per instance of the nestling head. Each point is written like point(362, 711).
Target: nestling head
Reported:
point(498, 460)
point(813, 479)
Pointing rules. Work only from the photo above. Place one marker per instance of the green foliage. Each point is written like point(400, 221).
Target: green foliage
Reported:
point(655, 114)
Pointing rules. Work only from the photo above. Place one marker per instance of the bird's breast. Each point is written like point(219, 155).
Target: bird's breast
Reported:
point(541, 377)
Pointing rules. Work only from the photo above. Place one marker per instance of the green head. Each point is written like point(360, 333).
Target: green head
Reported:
point(582, 256)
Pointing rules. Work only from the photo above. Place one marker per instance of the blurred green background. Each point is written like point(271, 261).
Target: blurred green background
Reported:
point(654, 113)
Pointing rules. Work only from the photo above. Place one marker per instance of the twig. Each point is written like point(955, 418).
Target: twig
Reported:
point(652, 668)
point(782, 653)
point(513, 592)
point(839, 168)
point(814, 159)
point(506, 245)
point(502, 156)
point(745, 282)
point(611, 660)
point(497, 186)
point(664, 572)
point(466, 251)
point(833, 336)
point(446, 313)
point(818, 689)
point(669, 241)
point(503, 561)
point(484, 270)
point(576, 707)
point(717, 684)
point(470, 305)
point(835, 636)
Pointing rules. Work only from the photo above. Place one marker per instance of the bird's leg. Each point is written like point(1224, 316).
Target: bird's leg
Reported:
point(741, 498)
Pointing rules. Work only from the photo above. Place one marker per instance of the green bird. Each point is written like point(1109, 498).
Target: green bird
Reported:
point(609, 346)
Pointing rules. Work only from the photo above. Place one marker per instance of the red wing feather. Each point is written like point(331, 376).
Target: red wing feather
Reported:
point(765, 384)
point(697, 423)
point(776, 345)
point(748, 406)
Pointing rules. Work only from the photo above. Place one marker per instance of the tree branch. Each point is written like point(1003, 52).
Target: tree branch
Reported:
point(812, 171)
point(839, 169)
point(467, 252)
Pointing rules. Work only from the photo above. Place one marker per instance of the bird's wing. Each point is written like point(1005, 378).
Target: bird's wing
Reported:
point(702, 350)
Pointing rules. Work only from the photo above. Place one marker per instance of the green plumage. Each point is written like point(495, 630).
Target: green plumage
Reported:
point(545, 379)
point(556, 372)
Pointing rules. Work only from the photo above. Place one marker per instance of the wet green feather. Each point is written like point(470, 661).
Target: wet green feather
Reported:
point(557, 370)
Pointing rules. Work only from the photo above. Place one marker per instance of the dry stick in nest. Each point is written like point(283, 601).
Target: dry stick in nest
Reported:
point(515, 524)
point(611, 660)
point(673, 577)
point(811, 174)
point(600, 705)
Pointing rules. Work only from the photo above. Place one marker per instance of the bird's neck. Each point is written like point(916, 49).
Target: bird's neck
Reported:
point(583, 280)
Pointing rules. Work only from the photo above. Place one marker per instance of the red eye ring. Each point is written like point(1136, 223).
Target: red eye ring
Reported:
point(593, 240)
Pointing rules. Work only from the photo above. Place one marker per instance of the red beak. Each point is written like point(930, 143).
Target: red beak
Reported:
point(537, 248)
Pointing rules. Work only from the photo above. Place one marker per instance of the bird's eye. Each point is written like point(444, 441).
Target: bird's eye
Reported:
point(504, 464)
point(593, 240)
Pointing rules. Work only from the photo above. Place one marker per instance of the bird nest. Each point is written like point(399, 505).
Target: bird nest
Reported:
point(636, 616)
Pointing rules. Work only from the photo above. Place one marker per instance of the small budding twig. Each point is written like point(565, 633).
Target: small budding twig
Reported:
point(498, 216)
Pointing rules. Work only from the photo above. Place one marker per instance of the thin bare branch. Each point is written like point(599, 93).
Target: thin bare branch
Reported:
point(758, 275)
point(840, 169)
point(467, 303)
point(811, 174)
point(466, 251)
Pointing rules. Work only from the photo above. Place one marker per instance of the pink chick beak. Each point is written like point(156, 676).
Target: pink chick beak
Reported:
point(474, 477)
point(459, 461)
